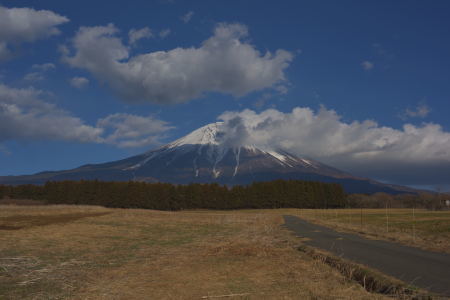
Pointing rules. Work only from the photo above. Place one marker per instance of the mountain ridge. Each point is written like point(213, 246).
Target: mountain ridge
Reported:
point(211, 154)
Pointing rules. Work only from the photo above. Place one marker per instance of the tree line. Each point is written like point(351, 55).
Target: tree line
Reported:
point(165, 196)
point(427, 200)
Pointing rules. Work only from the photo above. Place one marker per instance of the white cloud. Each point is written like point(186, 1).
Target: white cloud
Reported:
point(133, 131)
point(27, 24)
point(187, 17)
point(135, 35)
point(367, 65)
point(421, 111)
point(223, 63)
point(25, 116)
point(34, 76)
point(19, 25)
point(39, 72)
point(63, 49)
point(79, 82)
point(411, 155)
point(44, 67)
point(164, 33)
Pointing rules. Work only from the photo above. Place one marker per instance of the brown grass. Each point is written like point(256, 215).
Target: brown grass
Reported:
point(17, 222)
point(142, 254)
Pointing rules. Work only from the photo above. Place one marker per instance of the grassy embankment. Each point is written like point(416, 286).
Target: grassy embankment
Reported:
point(426, 229)
point(82, 252)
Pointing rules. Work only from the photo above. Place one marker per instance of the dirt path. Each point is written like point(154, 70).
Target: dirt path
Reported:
point(424, 269)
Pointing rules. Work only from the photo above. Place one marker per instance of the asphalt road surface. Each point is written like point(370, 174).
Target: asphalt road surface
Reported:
point(424, 269)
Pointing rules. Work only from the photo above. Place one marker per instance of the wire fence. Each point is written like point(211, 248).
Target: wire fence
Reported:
point(411, 224)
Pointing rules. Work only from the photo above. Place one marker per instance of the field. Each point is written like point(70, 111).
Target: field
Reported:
point(426, 229)
point(81, 252)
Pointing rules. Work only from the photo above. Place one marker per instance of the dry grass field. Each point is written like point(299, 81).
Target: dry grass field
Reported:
point(426, 229)
point(81, 252)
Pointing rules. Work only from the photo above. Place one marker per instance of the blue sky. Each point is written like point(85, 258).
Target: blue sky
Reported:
point(361, 85)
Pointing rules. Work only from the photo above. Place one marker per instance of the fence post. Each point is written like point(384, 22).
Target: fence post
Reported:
point(387, 218)
point(361, 217)
point(414, 224)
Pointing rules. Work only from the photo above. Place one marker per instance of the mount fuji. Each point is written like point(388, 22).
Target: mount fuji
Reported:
point(207, 155)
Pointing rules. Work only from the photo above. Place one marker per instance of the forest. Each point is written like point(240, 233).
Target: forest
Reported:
point(165, 196)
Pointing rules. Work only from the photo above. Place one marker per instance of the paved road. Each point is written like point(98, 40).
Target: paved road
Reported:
point(424, 269)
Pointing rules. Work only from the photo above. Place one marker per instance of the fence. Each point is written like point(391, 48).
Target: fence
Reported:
point(412, 225)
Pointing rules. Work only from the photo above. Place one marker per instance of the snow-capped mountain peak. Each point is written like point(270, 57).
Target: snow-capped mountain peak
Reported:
point(207, 134)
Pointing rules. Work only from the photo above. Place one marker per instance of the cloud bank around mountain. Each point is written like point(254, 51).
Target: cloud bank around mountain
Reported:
point(410, 155)
point(225, 63)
